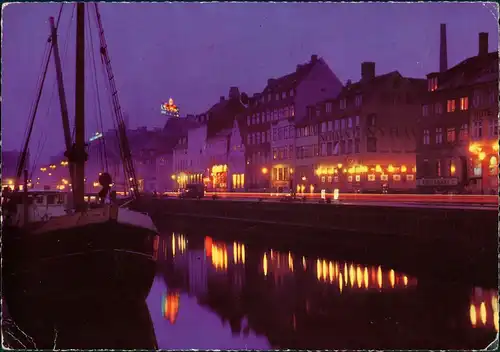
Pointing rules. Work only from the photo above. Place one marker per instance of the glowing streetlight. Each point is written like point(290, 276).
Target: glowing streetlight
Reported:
point(264, 170)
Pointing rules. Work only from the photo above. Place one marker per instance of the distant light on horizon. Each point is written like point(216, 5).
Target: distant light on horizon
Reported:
point(96, 136)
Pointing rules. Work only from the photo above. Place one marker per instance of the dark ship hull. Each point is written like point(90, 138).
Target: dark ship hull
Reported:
point(95, 255)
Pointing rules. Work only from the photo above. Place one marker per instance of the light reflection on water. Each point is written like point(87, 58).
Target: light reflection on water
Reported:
point(227, 295)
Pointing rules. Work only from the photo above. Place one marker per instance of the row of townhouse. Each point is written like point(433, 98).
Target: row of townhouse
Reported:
point(362, 139)
point(384, 133)
point(210, 151)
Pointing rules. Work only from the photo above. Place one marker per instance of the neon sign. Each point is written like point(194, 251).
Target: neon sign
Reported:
point(96, 136)
point(170, 108)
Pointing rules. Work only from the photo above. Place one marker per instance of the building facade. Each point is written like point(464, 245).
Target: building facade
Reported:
point(283, 98)
point(366, 137)
point(458, 127)
point(283, 154)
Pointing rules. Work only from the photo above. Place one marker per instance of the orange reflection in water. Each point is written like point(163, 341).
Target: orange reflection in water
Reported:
point(238, 253)
point(219, 256)
point(358, 276)
point(208, 246)
point(483, 309)
point(170, 306)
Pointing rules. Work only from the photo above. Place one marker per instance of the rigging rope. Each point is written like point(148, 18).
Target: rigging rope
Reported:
point(102, 142)
point(65, 52)
point(22, 160)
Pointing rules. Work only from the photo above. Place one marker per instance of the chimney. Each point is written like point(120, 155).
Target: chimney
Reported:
point(314, 58)
point(348, 83)
point(367, 71)
point(483, 44)
point(271, 81)
point(234, 93)
point(222, 98)
point(299, 67)
point(443, 50)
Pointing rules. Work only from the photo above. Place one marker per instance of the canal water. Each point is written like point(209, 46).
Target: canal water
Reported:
point(215, 294)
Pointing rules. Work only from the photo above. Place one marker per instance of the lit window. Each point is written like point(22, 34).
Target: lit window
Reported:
point(425, 110)
point(384, 177)
point(464, 103)
point(358, 178)
point(410, 177)
point(349, 178)
point(432, 84)
point(450, 135)
point(450, 105)
point(371, 177)
point(493, 166)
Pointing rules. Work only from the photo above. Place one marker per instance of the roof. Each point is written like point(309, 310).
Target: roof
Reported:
point(222, 115)
point(291, 80)
point(471, 71)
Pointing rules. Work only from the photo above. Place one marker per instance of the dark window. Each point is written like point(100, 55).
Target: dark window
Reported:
point(371, 145)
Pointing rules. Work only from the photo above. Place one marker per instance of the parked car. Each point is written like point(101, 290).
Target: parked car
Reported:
point(193, 191)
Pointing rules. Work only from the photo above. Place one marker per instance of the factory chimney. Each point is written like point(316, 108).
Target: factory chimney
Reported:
point(443, 52)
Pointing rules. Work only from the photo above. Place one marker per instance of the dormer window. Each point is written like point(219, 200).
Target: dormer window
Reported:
point(432, 84)
point(358, 100)
point(343, 104)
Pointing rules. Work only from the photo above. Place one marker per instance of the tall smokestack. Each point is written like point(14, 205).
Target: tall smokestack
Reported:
point(483, 44)
point(443, 52)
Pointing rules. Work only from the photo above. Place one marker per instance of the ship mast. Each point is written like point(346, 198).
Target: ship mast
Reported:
point(79, 153)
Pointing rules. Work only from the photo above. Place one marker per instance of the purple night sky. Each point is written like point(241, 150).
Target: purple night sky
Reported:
point(195, 52)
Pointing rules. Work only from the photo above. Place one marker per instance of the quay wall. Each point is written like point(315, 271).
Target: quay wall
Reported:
point(474, 227)
point(451, 243)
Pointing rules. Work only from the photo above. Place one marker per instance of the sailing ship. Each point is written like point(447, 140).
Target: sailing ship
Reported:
point(99, 252)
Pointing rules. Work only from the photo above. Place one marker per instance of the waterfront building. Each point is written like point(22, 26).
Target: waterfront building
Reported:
point(306, 153)
point(367, 135)
point(458, 129)
point(282, 147)
point(286, 97)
